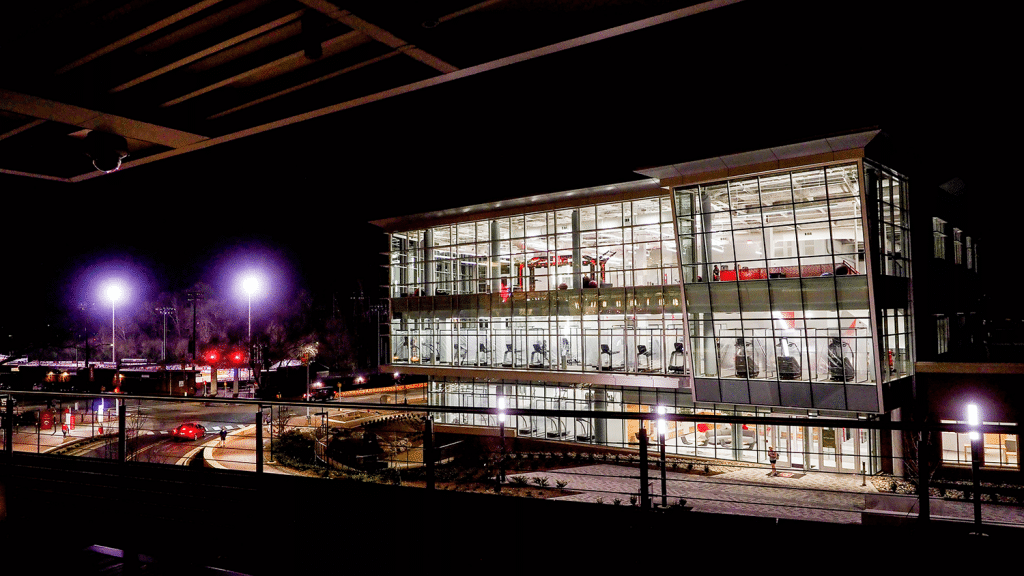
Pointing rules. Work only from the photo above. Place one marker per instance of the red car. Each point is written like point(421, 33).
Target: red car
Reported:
point(190, 431)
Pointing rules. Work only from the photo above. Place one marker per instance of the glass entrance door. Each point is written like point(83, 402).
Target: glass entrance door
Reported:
point(788, 442)
point(827, 449)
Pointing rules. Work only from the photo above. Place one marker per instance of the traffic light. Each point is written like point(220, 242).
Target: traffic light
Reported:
point(212, 356)
point(237, 357)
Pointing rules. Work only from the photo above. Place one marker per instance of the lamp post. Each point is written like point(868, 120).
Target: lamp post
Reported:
point(973, 421)
point(163, 346)
point(250, 285)
point(114, 294)
point(661, 440)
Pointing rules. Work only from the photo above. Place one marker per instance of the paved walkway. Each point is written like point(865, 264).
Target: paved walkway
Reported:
point(817, 496)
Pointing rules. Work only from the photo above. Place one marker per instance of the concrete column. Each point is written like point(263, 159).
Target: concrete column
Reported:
point(428, 262)
point(600, 424)
point(495, 269)
point(897, 445)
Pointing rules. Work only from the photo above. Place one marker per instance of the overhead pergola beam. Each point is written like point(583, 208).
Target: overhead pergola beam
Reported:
point(277, 67)
point(156, 26)
point(211, 50)
point(22, 128)
point(387, 38)
point(43, 109)
point(379, 34)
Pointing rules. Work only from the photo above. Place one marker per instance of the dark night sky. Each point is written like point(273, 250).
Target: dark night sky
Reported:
point(303, 195)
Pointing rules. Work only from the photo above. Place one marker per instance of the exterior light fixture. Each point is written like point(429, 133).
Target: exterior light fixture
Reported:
point(114, 293)
point(977, 453)
point(973, 420)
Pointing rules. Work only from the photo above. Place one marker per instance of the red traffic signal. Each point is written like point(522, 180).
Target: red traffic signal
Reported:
point(237, 356)
point(213, 356)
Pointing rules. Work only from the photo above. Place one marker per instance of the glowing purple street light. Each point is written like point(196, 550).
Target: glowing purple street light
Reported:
point(250, 284)
point(114, 293)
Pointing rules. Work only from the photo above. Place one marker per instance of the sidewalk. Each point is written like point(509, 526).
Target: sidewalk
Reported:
point(816, 496)
point(238, 452)
point(47, 440)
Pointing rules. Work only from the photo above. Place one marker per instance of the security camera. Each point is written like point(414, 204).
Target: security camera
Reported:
point(106, 150)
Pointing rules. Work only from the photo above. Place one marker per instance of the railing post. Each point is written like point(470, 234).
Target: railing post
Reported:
point(922, 478)
point(9, 427)
point(428, 450)
point(259, 440)
point(122, 435)
point(645, 496)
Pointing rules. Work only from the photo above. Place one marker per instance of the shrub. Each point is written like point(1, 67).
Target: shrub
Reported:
point(617, 501)
point(632, 499)
point(540, 480)
point(294, 448)
point(519, 480)
point(561, 483)
point(391, 476)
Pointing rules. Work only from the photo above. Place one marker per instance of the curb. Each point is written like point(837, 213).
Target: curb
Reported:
point(208, 461)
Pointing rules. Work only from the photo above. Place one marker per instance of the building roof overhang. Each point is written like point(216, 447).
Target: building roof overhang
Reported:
point(567, 198)
point(832, 148)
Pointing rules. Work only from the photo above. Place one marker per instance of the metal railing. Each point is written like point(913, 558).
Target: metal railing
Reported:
point(401, 444)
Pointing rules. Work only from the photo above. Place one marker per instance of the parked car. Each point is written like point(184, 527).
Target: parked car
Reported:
point(323, 394)
point(189, 431)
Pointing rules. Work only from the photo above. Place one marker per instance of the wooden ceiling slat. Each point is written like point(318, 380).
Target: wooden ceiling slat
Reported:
point(211, 50)
point(174, 18)
point(275, 67)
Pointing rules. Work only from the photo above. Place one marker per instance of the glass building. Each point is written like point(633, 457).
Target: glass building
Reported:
point(773, 282)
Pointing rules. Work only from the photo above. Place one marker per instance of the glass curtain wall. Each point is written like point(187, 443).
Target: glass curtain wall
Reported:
point(593, 288)
point(843, 449)
point(890, 191)
point(774, 275)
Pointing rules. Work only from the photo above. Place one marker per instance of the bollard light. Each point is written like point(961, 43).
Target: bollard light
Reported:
point(501, 409)
point(662, 425)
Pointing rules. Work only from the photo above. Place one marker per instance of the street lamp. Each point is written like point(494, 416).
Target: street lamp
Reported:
point(114, 294)
point(163, 346)
point(973, 421)
point(250, 285)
